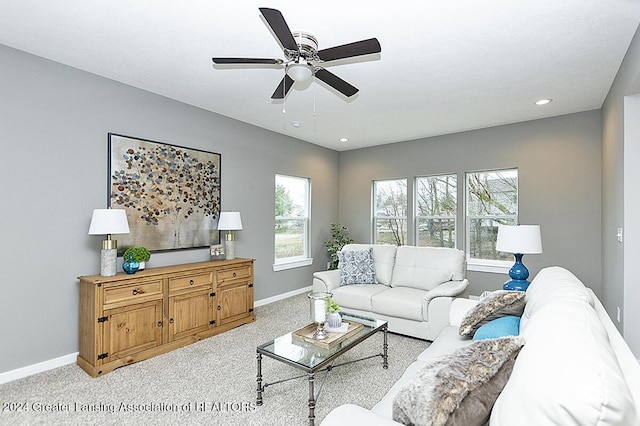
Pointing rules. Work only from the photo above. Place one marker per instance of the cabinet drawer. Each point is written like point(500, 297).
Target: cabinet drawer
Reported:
point(133, 292)
point(242, 272)
point(189, 281)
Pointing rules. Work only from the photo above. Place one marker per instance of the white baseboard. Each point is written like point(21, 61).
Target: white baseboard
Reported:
point(40, 367)
point(282, 296)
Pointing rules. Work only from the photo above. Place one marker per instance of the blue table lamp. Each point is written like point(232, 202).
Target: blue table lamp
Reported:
point(519, 240)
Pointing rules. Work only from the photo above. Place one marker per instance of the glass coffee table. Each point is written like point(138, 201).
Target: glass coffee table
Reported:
point(293, 349)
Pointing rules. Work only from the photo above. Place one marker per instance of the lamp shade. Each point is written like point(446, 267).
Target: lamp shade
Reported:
point(524, 239)
point(108, 221)
point(229, 221)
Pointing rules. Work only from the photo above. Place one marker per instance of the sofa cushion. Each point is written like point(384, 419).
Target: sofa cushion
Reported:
point(447, 341)
point(553, 285)
point(400, 302)
point(426, 267)
point(499, 327)
point(384, 256)
point(458, 388)
point(496, 305)
point(356, 267)
point(357, 296)
point(567, 363)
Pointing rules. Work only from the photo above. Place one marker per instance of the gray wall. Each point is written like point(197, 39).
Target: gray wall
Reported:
point(619, 177)
point(54, 122)
point(559, 184)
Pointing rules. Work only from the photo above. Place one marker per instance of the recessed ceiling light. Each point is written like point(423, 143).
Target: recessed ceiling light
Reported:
point(544, 101)
point(296, 124)
point(344, 139)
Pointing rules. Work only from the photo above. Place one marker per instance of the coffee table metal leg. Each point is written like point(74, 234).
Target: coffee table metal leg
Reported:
point(312, 400)
point(259, 378)
point(385, 365)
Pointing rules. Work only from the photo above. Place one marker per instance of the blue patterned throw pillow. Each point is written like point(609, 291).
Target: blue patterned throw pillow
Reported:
point(356, 267)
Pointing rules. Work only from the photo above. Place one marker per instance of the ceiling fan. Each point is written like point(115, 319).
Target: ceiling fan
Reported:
point(303, 58)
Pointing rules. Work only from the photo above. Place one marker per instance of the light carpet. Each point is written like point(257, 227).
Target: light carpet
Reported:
point(211, 382)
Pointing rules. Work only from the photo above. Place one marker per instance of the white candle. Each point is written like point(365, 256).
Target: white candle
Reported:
point(318, 311)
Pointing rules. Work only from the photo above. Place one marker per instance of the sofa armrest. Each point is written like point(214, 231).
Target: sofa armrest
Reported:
point(447, 289)
point(459, 308)
point(436, 304)
point(351, 414)
point(326, 280)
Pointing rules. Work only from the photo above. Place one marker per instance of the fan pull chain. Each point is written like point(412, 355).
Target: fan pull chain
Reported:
point(314, 100)
point(284, 97)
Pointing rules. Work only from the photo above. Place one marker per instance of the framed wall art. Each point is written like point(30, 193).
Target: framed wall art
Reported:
point(171, 193)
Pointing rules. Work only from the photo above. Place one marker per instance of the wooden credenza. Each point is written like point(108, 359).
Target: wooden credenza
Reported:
point(129, 318)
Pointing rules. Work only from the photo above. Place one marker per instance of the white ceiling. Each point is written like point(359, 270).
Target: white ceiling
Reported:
point(445, 66)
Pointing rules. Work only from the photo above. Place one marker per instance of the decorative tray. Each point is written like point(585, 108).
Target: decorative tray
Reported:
point(332, 339)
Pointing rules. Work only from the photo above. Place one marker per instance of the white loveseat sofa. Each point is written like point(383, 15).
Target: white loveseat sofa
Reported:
point(574, 368)
point(414, 291)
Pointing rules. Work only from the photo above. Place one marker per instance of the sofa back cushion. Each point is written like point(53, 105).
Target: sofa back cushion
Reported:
point(553, 285)
point(567, 373)
point(426, 267)
point(383, 259)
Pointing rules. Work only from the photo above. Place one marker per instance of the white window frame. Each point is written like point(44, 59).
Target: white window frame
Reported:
point(486, 265)
point(375, 217)
point(305, 259)
point(417, 216)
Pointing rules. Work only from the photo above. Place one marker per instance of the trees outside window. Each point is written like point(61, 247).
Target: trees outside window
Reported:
point(390, 211)
point(492, 200)
point(436, 205)
point(292, 206)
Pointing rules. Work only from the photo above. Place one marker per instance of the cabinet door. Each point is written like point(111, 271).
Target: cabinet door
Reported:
point(190, 313)
point(131, 329)
point(234, 302)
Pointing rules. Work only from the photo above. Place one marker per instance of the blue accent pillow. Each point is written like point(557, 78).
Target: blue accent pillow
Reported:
point(501, 327)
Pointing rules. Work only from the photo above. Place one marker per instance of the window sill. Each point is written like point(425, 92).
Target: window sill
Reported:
point(292, 264)
point(491, 266)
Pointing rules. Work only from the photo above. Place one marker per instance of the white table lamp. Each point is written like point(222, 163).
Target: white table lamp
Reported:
point(519, 240)
point(230, 221)
point(108, 222)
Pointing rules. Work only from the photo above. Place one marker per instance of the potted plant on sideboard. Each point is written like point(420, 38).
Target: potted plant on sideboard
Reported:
point(136, 254)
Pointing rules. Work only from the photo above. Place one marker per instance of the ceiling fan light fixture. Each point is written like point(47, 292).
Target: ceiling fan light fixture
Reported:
point(300, 71)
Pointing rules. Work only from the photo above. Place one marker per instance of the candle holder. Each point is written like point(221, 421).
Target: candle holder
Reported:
point(319, 305)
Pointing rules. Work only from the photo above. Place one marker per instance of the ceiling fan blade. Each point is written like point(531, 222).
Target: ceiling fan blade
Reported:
point(280, 28)
point(336, 82)
point(225, 61)
point(283, 88)
point(358, 48)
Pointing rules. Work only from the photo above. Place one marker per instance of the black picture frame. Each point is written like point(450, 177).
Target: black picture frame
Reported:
point(171, 193)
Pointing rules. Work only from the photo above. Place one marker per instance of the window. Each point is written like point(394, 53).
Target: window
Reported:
point(390, 211)
point(436, 204)
point(492, 199)
point(292, 202)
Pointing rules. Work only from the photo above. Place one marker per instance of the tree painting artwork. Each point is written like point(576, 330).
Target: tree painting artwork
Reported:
point(171, 194)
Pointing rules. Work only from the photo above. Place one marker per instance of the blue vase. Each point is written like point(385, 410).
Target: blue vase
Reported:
point(130, 266)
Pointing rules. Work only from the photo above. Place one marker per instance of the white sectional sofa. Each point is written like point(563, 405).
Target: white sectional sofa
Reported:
point(414, 290)
point(574, 368)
